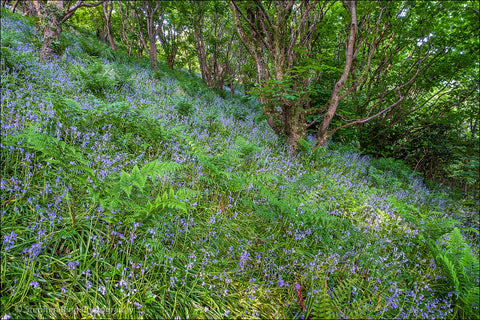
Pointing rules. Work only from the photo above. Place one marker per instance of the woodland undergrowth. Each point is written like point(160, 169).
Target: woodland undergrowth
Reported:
point(133, 193)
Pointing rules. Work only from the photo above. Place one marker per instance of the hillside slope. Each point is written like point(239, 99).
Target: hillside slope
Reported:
point(130, 193)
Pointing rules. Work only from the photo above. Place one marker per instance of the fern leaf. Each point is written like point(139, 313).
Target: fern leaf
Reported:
point(452, 272)
point(323, 306)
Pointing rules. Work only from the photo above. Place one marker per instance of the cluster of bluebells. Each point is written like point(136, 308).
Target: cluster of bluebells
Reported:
point(9, 240)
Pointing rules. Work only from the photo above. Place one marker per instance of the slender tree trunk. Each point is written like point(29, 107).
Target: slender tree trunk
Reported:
point(322, 135)
point(152, 37)
point(14, 6)
point(107, 12)
point(202, 56)
point(124, 35)
point(171, 60)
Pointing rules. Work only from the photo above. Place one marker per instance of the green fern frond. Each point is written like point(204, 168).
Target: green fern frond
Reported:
point(118, 197)
point(171, 199)
point(470, 303)
point(468, 260)
point(456, 243)
point(344, 289)
point(451, 272)
point(138, 177)
point(208, 180)
point(462, 267)
point(237, 184)
point(323, 307)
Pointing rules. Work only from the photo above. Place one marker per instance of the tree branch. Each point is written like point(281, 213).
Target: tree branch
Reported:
point(80, 3)
point(252, 26)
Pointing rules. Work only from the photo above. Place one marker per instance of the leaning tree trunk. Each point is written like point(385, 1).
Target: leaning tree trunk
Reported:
point(107, 12)
point(51, 23)
point(202, 56)
point(323, 134)
point(14, 6)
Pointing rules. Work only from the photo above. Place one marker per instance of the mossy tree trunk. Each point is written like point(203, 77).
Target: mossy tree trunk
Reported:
point(51, 15)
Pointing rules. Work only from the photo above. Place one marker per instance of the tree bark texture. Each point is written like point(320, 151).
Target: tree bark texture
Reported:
point(51, 15)
point(107, 7)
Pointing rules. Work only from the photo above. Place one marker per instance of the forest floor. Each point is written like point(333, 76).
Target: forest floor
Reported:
point(134, 193)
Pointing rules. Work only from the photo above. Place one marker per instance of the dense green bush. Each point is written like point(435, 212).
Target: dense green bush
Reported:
point(184, 107)
point(97, 78)
point(95, 48)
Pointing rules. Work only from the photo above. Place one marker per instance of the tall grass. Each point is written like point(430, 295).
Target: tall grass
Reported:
point(148, 196)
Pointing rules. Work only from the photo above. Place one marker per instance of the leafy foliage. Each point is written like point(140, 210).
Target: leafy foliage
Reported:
point(118, 197)
point(95, 48)
point(185, 108)
point(462, 269)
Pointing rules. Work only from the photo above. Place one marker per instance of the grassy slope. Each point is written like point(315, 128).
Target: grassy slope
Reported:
point(130, 193)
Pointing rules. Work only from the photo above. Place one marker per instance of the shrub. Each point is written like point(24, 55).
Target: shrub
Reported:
point(185, 108)
point(95, 48)
point(95, 78)
point(191, 86)
point(158, 74)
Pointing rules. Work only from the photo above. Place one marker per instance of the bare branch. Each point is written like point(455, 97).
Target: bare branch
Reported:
point(369, 118)
point(80, 3)
point(475, 10)
point(250, 23)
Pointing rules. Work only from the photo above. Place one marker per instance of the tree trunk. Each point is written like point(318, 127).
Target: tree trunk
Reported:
point(14, 6)
point(152, 37)
point(51, 22)
point(107, 12)
point(323, 134)
point(202, 56)
point(153, 51)
point(171, 58)
point(294, 126)
point(32, 8)
point(124, 35)
point(152, 33)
